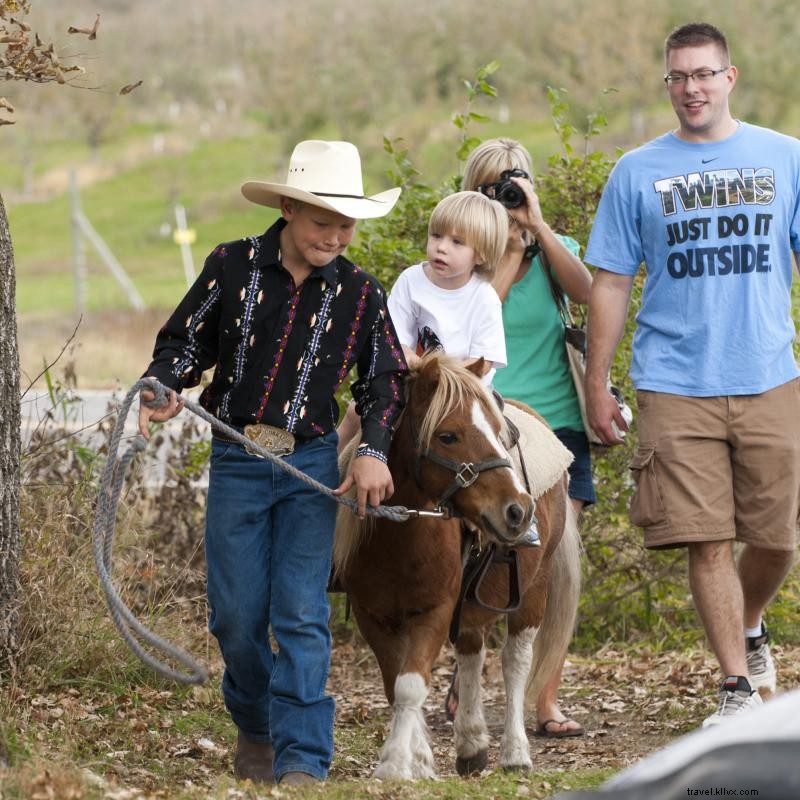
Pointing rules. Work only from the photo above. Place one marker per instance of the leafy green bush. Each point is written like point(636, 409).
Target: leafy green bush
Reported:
point(387, 245)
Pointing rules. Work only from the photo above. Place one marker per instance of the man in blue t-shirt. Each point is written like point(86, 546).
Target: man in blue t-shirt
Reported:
point(713, 210)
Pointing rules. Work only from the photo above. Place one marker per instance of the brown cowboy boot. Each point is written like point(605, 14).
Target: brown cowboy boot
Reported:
point(253, 760)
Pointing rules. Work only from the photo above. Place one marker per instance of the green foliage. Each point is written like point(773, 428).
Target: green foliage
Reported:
point(387, 245)
point(197, 456)
point(570, 189)
point(474, 89)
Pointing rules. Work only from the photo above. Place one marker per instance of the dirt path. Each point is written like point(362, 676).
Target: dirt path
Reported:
point(630, 705)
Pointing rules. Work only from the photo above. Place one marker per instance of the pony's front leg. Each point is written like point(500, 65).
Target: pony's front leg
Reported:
point(517, 657)
point(471, 733)
point(407, 753)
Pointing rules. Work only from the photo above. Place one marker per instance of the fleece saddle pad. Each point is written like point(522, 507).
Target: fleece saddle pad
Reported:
point(546, 459)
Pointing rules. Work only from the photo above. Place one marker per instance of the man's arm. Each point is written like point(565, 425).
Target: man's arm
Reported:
point(608, 310)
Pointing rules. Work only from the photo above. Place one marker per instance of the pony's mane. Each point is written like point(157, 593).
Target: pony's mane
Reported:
point(456, 386)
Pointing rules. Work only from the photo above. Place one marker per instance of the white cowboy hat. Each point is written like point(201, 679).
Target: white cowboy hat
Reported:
point(325, 174)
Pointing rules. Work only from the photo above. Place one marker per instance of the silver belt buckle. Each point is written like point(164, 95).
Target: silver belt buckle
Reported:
point(278, 441)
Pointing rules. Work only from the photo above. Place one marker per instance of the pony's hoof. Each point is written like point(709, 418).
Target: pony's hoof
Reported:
point(472, 765)
point(521, 768)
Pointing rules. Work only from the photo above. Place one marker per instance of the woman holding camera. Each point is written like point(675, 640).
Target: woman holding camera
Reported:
point(536, 263)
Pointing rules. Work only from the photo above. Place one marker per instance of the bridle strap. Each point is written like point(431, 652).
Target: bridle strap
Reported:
point(465, 473)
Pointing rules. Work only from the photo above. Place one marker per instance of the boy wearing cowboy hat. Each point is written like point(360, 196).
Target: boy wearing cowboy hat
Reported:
point(282, 318)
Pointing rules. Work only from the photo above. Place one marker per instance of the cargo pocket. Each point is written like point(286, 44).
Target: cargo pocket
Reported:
point(647, 508)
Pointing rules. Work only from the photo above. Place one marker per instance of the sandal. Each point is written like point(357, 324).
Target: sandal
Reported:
point(543, 729)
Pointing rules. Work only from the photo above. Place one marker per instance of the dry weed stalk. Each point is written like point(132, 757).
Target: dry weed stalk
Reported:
point(65, 632)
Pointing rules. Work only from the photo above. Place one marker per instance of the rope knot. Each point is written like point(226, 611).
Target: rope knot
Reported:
point(158, 389)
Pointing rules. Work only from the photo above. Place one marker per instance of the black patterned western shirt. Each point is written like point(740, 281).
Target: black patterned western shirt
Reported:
point(280, 352)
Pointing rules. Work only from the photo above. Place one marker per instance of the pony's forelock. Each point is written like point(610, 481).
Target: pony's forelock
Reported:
point(457, 385)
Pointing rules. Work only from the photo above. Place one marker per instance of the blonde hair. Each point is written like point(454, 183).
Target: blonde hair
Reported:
point(482, 223)
point(494, 156)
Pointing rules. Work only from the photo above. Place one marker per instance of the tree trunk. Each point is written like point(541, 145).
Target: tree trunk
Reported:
point(9, 450)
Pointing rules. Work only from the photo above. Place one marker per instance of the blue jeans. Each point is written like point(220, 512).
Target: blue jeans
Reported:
point(581, 485)
point(268, 554)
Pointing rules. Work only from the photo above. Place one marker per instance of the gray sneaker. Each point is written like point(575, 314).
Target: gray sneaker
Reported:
point(735, 697)
point(759, 662)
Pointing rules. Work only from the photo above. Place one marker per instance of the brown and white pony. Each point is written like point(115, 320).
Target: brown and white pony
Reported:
point(404, 579)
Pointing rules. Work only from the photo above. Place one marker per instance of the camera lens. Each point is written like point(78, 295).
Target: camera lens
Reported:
point(509, 195)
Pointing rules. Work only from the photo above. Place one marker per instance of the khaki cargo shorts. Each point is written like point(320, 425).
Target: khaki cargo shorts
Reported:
point(716, 468)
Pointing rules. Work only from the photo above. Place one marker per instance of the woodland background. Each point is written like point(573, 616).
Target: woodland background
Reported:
point(226, 92)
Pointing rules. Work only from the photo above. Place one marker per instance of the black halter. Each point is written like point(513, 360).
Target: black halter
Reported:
point(465, 473)
point(476, 562)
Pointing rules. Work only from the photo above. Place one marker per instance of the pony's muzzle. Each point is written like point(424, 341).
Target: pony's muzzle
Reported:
point(515, 515)
point(519, 518)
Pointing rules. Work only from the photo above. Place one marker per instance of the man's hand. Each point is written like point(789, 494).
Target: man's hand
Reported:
point(373, 482)
point(172, 408)
point(608, 307)
point(603, 414)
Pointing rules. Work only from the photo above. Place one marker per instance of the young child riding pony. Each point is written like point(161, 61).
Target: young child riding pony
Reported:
point(447, 302)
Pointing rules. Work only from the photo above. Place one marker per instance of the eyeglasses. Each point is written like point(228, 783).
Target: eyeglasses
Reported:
point(699, 75)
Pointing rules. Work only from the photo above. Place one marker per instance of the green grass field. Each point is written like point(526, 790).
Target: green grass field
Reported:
point(133, 209)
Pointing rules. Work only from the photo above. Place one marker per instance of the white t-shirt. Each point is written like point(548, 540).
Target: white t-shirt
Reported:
point(468, 322)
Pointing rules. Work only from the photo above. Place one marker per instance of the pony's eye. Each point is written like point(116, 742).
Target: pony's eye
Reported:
point(447, 438)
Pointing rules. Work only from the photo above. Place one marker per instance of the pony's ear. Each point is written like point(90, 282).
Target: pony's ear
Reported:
point(479, 367)
point(428, 367)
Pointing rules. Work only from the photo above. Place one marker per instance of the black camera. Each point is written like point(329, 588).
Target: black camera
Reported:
point(505, 191)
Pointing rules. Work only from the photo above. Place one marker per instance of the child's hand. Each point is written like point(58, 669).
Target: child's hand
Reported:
point(171, 408)
point(373, 482)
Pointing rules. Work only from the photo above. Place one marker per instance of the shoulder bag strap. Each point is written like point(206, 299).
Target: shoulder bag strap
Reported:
point(534, 250)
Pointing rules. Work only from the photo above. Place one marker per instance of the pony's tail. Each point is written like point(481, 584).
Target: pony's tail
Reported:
point(561, 610)
point(348, 526)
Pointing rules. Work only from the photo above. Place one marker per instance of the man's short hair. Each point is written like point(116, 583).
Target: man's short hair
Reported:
point(481, 223)
point(697, 34)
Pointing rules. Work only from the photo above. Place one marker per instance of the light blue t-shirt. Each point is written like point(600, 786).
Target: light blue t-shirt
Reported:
point(715, 224)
